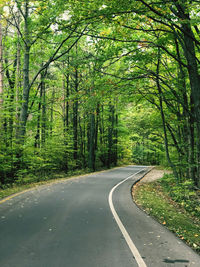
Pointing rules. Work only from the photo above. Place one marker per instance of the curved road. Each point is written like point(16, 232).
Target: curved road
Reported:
point(89, 221)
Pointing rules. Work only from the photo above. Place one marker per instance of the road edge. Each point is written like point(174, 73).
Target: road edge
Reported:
point(35, 186)
point(153, 218)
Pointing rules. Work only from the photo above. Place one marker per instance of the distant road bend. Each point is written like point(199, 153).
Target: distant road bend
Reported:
point(87, 222)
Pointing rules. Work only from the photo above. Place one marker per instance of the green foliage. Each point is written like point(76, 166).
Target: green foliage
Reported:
point(41, 163)
point(183, 193)
point(122, 65)
point(144, 135)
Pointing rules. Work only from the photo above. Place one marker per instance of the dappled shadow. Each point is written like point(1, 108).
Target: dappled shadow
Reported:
point(174, 261)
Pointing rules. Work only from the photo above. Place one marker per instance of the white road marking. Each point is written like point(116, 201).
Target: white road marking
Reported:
point(128, 239)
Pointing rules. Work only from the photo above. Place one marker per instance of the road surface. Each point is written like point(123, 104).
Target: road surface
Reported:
point(87, 222)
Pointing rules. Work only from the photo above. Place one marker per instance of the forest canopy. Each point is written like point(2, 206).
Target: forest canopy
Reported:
point(87, 84)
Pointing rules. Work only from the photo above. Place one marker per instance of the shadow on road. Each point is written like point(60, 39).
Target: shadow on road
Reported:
point(173, 261)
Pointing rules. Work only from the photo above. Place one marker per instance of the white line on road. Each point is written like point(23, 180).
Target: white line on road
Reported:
point(129, 241)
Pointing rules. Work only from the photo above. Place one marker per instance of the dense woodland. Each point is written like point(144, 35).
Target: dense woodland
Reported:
point(87, 84)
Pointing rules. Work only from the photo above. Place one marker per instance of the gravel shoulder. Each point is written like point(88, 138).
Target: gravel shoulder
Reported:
point(153, 175)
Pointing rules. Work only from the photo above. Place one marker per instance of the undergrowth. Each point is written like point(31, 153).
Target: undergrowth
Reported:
point(185, 193)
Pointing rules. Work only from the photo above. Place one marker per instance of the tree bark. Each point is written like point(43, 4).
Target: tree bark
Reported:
point(43, 122)
point(75, 119)
point(11, 80)
point(192, 67)
point(51, 114)
point(66, 99)
point(163, 117)
point(91, 159)
point(97, 126)
point(37, 136)
point(110, 135)
point(116, 140)
point(18, 79)
point(26, 85)
point(1, 67)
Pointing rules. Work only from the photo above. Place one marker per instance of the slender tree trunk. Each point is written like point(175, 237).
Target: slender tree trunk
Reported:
point(102, 139)
point(110, 135)
point(116, 139)
point(43, 122)
point(11, 80)
point(163, 117)
point(101, 127)
point(26, 85)
point(37, 136)
point(81, 143)
point(67, 104)
point(191, 140)
point(1, 67)
point(51, 114)
point(66, 101)
point(18, 83)
point(2, 174)
point(97, 126)
point(165, 134)
point(185, 114)
point(91, 160)
point(84, 141)
point(75, 119)
point(66, 113)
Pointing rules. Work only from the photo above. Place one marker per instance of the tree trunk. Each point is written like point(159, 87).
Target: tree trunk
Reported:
point(192, 67)
point(51, 114)
point(66, 113)
point(37, 136)
point(66, 99)
point(75, 119)
point(163, 117)
point(191, 141)
point(101, 126)
point(97, 126)
point(18, 83)
point(1, 67)
point(81, 143)
point(110, 135)
point(91, 159)
point(26, 85)
point(11, 80)
point(115, 140)
point(43, 122)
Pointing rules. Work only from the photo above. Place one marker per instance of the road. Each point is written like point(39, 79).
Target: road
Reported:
point(86, 222)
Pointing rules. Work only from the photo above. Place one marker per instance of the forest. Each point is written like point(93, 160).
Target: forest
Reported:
point(89, 84)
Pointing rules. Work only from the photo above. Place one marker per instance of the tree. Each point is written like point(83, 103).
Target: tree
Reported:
point(1, 65)
point(101, 61)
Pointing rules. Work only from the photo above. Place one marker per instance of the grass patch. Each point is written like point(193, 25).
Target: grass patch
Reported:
point(167, 205)
point(32, 181)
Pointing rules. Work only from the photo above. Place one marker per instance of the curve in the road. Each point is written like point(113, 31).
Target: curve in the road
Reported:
point(70, 224)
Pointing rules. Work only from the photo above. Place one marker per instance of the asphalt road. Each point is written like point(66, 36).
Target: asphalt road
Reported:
point(86, 222)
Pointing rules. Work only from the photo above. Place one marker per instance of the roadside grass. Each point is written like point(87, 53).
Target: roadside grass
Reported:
point(176, 206)
point(30, 182)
